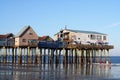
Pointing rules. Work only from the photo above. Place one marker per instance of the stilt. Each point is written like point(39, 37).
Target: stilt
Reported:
point(87, 56)
point(76, 59)
point(4, 55)
point(13, 55)
point(29, 60)
point(84, 57)
point(97, 56)
point(8, 55)
point(108, 58)
point(40, 56)
point(0, 55)
point(71, 56)
point(56, 56)
point(102, 56)
point(79, 56)
point(91, 57)
point(44, 56)
point(36, 56)
point(64, 56)
point(25, 57)
point(60, 57)
point(52, 56)
point(48, 56)
point(19, 61)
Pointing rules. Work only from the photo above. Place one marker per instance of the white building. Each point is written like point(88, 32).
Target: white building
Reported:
point(83, 37)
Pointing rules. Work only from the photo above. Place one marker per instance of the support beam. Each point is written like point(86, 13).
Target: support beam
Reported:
point(84, 57)
point(4, 53)
point(71, 56)
point(108, 57)
point(64, 56)
point(19, 55)
point(13, 55)
point(97, 56)
point(91, 58)
point(29, 60)
point(78, 56)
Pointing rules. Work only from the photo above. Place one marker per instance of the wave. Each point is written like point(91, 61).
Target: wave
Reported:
point(115, 64)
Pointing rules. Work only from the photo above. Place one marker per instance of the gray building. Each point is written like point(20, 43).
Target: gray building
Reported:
point(7, 39)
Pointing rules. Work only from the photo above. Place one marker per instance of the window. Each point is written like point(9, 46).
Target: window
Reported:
point(88, 36)
point(92, 37)
point(24, 40)
point(99, 37)
point(61, 35)
point(104, 37)
point(73, 37)
point(30, 33)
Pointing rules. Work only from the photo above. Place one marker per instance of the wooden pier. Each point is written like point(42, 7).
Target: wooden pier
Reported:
point(81, 54)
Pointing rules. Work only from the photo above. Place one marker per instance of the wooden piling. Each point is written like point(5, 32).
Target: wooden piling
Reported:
point(4, 53)
point(0, 55)
point(84, 56)
point(91, 57)
point(29, 60)
point(13, 55)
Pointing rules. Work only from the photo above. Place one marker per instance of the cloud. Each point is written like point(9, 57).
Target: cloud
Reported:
point(115, 25)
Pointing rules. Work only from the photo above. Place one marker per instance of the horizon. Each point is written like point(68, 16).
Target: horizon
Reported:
point(48, 17)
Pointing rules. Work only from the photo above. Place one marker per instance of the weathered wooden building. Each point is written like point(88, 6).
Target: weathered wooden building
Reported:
point(26, 37)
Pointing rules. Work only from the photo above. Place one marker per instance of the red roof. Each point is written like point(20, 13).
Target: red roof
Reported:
point(44, 38)
point(3, 36)
point(6, 35)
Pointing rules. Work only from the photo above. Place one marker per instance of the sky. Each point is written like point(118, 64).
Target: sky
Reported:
point(47, 17)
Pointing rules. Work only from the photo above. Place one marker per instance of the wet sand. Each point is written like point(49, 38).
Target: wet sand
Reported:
point(58, 72)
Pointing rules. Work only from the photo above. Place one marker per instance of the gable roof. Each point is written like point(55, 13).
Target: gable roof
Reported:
point(89, 32)
point(23, 30)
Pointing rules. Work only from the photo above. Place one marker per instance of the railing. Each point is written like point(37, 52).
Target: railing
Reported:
point(83, 46)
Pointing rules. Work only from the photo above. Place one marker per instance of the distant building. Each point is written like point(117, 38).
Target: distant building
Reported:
point(82, 37)
point(26, 37)
point(7, 39)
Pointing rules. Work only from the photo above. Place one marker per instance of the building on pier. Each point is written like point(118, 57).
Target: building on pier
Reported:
point(7, 39)
point(45, 38)
point(26, 37)
point(83, 37)
point(36, 49)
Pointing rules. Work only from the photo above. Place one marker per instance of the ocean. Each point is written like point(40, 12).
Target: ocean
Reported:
point(115, 59)
point(61, 71)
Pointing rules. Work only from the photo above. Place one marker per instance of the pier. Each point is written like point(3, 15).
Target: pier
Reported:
point(72, 53)
point(67, 47)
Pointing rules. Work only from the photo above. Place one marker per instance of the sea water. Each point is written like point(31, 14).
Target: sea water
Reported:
point(61, 71)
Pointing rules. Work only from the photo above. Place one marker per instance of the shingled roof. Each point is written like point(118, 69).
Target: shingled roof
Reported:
point(22, 31)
